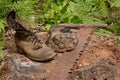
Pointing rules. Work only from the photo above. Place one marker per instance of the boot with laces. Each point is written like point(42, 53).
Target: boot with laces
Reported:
point(32, 44)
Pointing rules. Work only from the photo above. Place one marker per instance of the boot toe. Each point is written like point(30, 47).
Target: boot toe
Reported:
point(42, 55)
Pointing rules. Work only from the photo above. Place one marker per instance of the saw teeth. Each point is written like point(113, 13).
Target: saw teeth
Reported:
point(70, 72)
point(86, 43)
point(82, 51)
point(77, 59)
point(75, 63)
point(71, 69)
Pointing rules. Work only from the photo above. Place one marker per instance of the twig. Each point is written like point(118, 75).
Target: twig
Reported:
point(39, 6)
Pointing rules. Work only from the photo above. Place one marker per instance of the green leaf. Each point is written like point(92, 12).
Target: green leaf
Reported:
point(75, 19)
point(117, 3)
point(64, 9)
point(47, 27)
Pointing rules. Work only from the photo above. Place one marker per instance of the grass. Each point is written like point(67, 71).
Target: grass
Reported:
point(104, 32)
point(1, 47)
point(108, 34)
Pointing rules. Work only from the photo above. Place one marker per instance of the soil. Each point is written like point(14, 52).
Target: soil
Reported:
point(96, 58)
point(99, 61)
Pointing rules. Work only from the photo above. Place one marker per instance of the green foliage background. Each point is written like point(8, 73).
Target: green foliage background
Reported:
point(63, 11)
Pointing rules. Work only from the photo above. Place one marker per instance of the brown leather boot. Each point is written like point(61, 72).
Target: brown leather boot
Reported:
point(33, 45)
point(62, 40)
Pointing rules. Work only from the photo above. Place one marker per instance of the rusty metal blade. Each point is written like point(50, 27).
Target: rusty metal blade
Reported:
point(81, 25)
point(66, 61)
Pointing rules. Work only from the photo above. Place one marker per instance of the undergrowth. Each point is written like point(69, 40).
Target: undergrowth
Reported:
point(104, 32)
point(1, 47)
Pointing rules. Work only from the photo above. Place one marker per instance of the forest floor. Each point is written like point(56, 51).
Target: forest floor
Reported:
point(100, 60)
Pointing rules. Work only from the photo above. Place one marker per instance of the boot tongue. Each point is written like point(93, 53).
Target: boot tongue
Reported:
point(15, 22)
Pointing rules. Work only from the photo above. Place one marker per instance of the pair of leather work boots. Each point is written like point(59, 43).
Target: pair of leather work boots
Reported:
point(41, 45)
